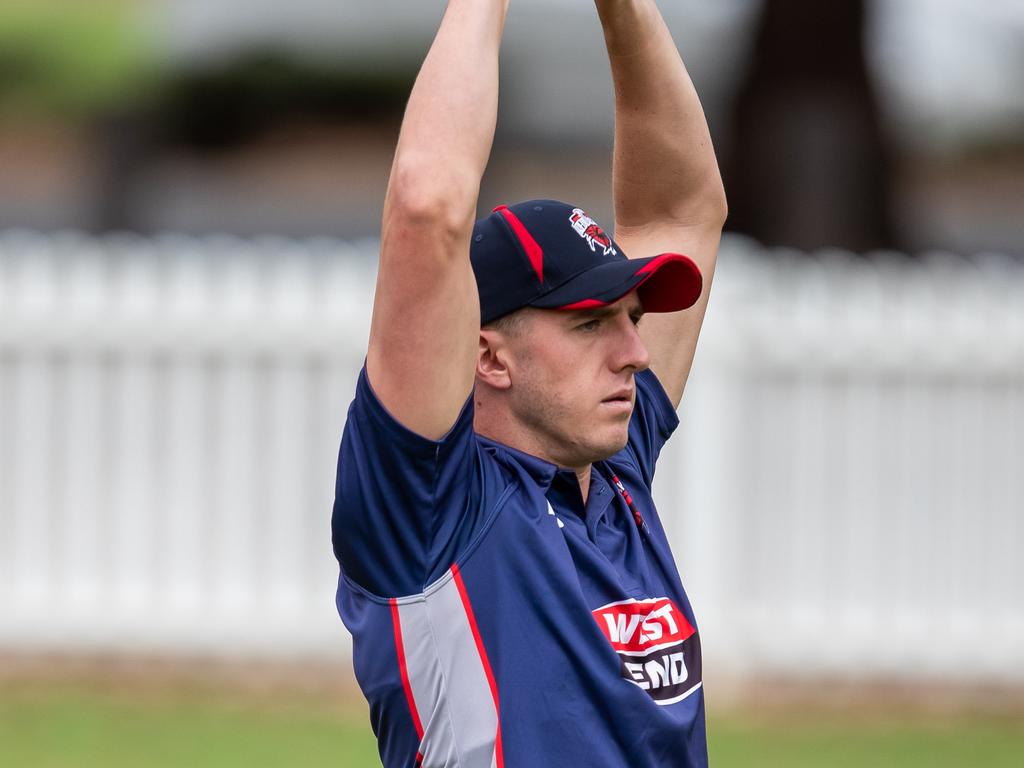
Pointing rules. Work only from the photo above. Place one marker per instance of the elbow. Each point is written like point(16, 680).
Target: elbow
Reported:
point(430, 201)
point(718, 206)
point(707, 203)
point(714, 206)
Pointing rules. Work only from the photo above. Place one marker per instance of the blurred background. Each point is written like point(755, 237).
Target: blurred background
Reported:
point(190, 194)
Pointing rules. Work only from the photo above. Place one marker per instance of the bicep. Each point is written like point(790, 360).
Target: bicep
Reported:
point(426, 322)
point(671, 337)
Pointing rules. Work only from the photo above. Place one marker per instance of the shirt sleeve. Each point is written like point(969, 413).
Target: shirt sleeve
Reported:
point(654, 420)
point(401, 499)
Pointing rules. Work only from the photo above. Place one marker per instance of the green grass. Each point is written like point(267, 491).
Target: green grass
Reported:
point(56, 727)
point(794, 742)
point(60, 729)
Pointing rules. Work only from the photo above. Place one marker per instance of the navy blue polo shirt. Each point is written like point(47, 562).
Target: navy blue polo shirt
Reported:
point(499, 621)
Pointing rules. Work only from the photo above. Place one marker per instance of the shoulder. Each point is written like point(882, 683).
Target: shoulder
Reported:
point(653, 423)
point(406, 504)
point(652, 395)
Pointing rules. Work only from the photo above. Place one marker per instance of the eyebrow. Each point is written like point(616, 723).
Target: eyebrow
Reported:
point(598, 313)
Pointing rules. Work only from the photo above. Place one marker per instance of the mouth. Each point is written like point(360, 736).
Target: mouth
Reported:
point(621, 400)
point(626, 393)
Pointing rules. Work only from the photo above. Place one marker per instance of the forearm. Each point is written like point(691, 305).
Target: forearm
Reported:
point(449, 122)
point(664, 168)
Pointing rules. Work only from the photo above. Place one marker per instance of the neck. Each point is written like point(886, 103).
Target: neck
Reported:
point(583, 476)
point(490, 423)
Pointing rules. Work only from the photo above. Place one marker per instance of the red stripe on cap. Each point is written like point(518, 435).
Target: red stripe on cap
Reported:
point(403, 671)
point(533, 250)
point(585, 304)
point(457, 574)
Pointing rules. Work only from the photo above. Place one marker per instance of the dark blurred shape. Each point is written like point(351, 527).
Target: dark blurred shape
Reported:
point(216, 108)
point(221, 109)
point(809, 165)
point(125, 140)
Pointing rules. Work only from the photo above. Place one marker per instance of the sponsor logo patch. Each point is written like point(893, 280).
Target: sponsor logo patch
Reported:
point(658, 648)
point(590, 231)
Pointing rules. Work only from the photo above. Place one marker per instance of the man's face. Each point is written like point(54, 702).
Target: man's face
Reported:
point(571, 375)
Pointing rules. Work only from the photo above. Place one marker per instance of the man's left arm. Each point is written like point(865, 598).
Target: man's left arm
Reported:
point(667, 187)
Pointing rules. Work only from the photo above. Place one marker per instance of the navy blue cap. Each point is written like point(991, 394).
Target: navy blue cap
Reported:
point(552, 255)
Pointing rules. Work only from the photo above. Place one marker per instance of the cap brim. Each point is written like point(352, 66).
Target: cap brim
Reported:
point(668, 282)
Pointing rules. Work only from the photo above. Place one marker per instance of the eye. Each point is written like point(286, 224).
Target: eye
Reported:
point(590, 325)
point(636, 318)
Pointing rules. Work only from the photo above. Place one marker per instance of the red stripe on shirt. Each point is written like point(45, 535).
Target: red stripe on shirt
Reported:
point(499, 757)
point(403, 670)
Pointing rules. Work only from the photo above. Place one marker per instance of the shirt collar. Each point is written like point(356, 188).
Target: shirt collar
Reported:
point(542, 472)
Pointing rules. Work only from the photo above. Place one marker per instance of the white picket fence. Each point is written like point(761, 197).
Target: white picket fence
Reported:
point(844, 497)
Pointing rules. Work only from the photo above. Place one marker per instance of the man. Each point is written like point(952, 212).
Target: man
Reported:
point(506, 579)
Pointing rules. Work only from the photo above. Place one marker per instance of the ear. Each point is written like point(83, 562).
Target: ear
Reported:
point(491, 365)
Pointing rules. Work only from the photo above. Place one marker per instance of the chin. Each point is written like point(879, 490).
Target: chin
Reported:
point(608, 448)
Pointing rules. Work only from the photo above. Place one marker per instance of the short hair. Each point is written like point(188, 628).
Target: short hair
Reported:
point(510, 324)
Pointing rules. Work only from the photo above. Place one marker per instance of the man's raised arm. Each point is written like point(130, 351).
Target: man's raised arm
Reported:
point(426, 315)
point(667, 187)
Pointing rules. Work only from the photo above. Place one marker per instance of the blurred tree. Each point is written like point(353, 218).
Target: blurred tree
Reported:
point(808, 165)
point(68, 60)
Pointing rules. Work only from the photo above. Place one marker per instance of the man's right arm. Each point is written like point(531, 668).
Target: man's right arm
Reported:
point(426, 314)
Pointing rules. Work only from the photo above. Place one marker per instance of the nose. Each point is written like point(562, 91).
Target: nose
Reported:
point(632, 351)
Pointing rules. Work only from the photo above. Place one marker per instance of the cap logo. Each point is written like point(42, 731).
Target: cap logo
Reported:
point(590, 231)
